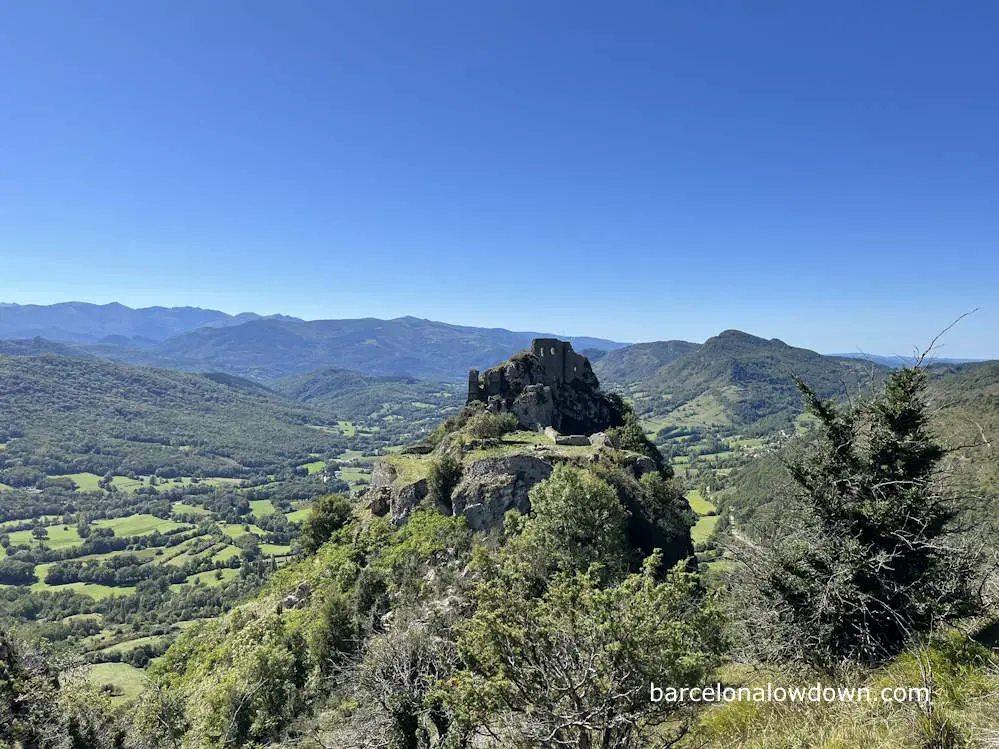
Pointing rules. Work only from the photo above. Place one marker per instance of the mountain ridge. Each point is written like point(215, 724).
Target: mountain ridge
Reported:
point(271, 347)
point(86, 322)
point(408, 346)
point(734, 380)
point(70, 414)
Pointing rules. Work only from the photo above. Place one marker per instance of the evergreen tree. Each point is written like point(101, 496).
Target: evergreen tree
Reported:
point(868, 556)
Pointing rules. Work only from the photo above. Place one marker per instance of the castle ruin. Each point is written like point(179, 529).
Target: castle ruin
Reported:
point(560, 365)
point(549, 386)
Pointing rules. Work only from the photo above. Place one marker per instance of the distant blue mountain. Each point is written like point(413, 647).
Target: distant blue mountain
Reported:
point(82, 322)
point(268, 348)
point(897, 362)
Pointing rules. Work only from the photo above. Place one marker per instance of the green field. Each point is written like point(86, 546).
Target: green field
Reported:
point(208, 578)
point(125, 484)
point(314, 467)
point(95, 591)
point(698, 503)
point(348, 429)
point(652, 426)
point(744, 443)
point(261, 507)
point(182, 508)
point(126, 645)
point(99, 618)
point(234, 530)
point(706, 523)
point(143, 554)
point(127, 681)
point(703, 529)
point(226, 554)
point(804, 423)
point(59, 537)
point(355, 475)
point(139, 525)
point(707, 409)
point(89, 482)
point(85, 482)
point(298, 516)
point(182, 481)
point(181, 554)
point(716, 457)
point(274, 550)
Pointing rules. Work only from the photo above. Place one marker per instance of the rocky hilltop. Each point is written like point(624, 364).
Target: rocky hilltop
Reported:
point(549, 386)
point(484, 462)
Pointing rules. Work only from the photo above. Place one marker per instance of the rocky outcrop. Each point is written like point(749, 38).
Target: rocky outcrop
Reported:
point(550, 386)
point(388, 495)
point(299, 597)
point(572, 440)
point(492, 486)
point(488, 488)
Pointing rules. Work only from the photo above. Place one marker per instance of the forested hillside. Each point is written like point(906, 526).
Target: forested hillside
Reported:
point(734, 381)
point(268, 349)
point(63, 415)
point(963, 414)
point(964, 402)
point(640, 361)
point(401, 409)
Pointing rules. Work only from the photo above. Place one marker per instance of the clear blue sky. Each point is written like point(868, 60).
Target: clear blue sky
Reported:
point(826, 173)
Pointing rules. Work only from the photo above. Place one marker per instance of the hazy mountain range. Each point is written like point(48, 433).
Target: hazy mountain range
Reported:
point(275, 346)
point(267, 348)
point(82, 322)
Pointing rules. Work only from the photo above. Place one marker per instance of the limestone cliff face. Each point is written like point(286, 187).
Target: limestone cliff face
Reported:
point(490, 486)
point(550, 386)
point(387, 495)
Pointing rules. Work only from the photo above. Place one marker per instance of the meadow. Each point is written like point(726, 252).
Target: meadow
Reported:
point(707, 517)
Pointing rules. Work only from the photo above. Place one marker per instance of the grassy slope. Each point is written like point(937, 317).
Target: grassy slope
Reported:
point(126, 681)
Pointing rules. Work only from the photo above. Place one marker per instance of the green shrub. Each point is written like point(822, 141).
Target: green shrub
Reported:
point(631, 436)
point(328, 515)
point(486, 425)
point(442, 477)
point(577, 520)
point(334, 633)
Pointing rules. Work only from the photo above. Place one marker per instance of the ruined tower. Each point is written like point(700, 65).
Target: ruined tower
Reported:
point(549, 386)
point(561, 364)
